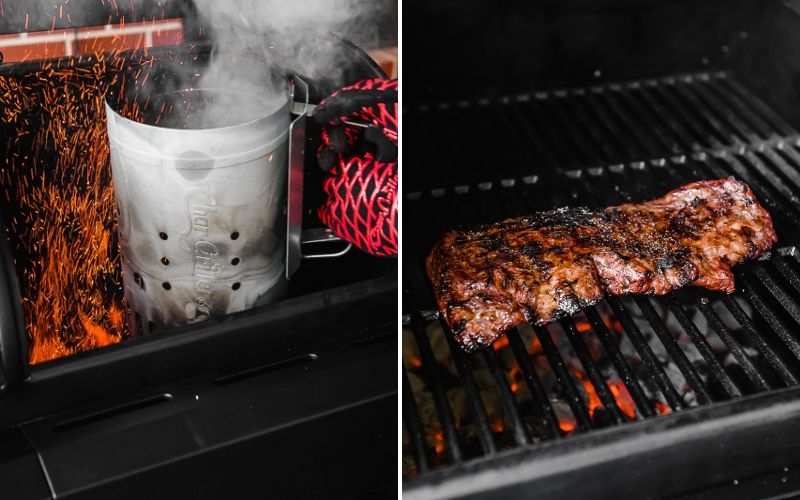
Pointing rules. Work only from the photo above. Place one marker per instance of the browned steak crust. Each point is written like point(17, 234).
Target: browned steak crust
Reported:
point(549, 265)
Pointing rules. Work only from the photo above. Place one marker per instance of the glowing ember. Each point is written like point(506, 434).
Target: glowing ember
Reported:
point(566, 424)
point(438, 443)
point(623, 398)
point(500, 343)
point(489, 392)
point(594, 400)
point(515, 374)
point(618, 390)
point(497, 425)
point(662, 408)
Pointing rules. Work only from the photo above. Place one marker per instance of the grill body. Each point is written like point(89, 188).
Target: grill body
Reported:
point(603, 104)
point(202, 409)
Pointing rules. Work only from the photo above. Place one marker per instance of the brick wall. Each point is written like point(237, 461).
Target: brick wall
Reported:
point(90, 39)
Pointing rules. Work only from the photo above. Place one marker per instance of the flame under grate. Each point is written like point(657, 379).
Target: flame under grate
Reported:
point(628, 358)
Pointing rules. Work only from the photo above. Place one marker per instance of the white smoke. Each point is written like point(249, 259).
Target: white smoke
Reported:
point(250, 36)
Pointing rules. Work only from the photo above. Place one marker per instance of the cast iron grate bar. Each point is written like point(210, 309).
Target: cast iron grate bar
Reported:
point(712, 118)
point(784, 298)
point(775, 323)
point(598, 146)
point(735, 348)
point(615, 124)
point(544, 414)
point(443, 410)
point(770, 120)
point(649, 105)
point(592, 371)
point(596, 132)
point(614, 130)
point(678, 356)
point(630, 122)
point(700, 342)
point(621, 364)
point(565, 381)
point(473, 396)
point(787, 272)
point(414, 425)
point(655, 371)
point(758, 341)
point(711, 99)
point(778, 157)
point(516, 426)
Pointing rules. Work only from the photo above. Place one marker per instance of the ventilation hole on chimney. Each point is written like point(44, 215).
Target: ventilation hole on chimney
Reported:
point(165, 261)
point(236, 286)
point(163, 235)
point(235, 261)
point(137, 278)
point(166, 285)
point(151, 326)
point(235, 235)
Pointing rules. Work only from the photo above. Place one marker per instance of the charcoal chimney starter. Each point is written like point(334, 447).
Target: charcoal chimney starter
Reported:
point(200, 202)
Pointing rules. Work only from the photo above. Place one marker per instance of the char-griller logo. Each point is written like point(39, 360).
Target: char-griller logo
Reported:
point(200, 203)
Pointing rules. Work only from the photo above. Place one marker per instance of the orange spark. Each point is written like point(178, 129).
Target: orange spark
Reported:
point(64, 206)
point(99, 334)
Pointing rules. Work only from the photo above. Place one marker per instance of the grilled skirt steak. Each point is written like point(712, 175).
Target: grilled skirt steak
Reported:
point(549, 265)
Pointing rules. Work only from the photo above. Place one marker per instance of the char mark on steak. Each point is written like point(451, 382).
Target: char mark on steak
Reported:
point(548, 265)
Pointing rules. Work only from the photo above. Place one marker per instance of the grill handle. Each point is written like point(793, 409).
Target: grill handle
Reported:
point(323, 235)
point(296, 237)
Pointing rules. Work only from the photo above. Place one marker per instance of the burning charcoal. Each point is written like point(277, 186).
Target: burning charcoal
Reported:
point(566, 420)
point(623, 398)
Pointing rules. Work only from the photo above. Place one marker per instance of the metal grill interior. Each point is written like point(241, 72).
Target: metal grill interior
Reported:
point(604, 140)
point(215, 409)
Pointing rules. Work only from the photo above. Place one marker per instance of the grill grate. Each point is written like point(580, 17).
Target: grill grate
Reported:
point(626, 359)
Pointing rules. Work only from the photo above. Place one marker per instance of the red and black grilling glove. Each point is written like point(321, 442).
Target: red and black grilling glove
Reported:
point(359, 152)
